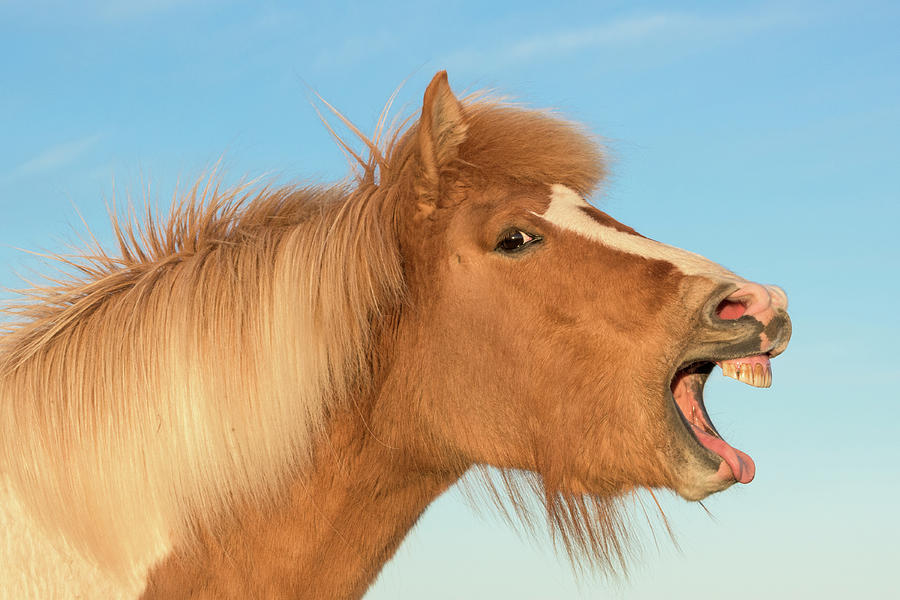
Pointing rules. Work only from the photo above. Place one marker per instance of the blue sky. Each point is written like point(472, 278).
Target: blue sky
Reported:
point(762, 135)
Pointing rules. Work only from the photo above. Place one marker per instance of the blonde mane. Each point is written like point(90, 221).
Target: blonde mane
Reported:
point(191, 371)
point(145, 394)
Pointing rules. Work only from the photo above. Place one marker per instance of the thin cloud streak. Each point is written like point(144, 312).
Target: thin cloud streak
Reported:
point(55, 157)
point(660, 28)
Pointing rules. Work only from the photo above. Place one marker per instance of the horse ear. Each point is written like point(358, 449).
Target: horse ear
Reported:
point(442, 128)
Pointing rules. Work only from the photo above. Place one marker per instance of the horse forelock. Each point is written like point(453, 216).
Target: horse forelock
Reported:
point(512, 143)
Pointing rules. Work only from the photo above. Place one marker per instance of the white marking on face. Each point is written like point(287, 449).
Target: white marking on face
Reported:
point(565, 211)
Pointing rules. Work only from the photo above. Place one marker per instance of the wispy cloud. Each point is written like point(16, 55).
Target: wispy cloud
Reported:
point(54, 157)
point(665, 29)
point(626, 31)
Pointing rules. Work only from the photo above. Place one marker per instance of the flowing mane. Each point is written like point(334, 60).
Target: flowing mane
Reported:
point(191, 370)
point(131, 358)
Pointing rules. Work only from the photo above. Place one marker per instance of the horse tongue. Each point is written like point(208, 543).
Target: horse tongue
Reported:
point(742, 466)
point(753, 370)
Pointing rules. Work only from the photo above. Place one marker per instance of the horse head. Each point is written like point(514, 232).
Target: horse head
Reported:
point(540, 334)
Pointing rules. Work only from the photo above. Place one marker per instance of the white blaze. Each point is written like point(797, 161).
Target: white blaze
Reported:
point(565, 211)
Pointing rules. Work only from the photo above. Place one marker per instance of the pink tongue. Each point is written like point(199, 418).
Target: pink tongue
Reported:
point(742, 467)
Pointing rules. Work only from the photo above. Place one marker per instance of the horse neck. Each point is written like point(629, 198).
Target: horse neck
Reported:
point(326, 538)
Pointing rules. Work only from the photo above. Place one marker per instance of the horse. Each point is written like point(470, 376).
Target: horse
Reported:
point(258, 395)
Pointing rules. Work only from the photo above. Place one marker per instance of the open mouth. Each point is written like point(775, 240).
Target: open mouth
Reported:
point(687, 391)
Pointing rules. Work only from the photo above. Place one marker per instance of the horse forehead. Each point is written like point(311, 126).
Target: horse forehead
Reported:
point(569, 211)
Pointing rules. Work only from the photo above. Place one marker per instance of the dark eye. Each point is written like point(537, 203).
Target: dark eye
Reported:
point(515, 240)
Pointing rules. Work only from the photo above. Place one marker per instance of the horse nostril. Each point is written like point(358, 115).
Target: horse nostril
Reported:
point(730, 309)
point(751, 299)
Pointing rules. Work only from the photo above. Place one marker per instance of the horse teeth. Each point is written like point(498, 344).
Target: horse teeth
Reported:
point(730, 370)
point(757, 375)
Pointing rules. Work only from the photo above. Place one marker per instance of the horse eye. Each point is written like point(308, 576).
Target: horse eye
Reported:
point(514, 240)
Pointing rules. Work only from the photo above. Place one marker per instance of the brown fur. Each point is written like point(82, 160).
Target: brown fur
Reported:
point(288, 378)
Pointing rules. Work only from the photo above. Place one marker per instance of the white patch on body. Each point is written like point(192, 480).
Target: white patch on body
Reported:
point(565, 211)
point(33, 565)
